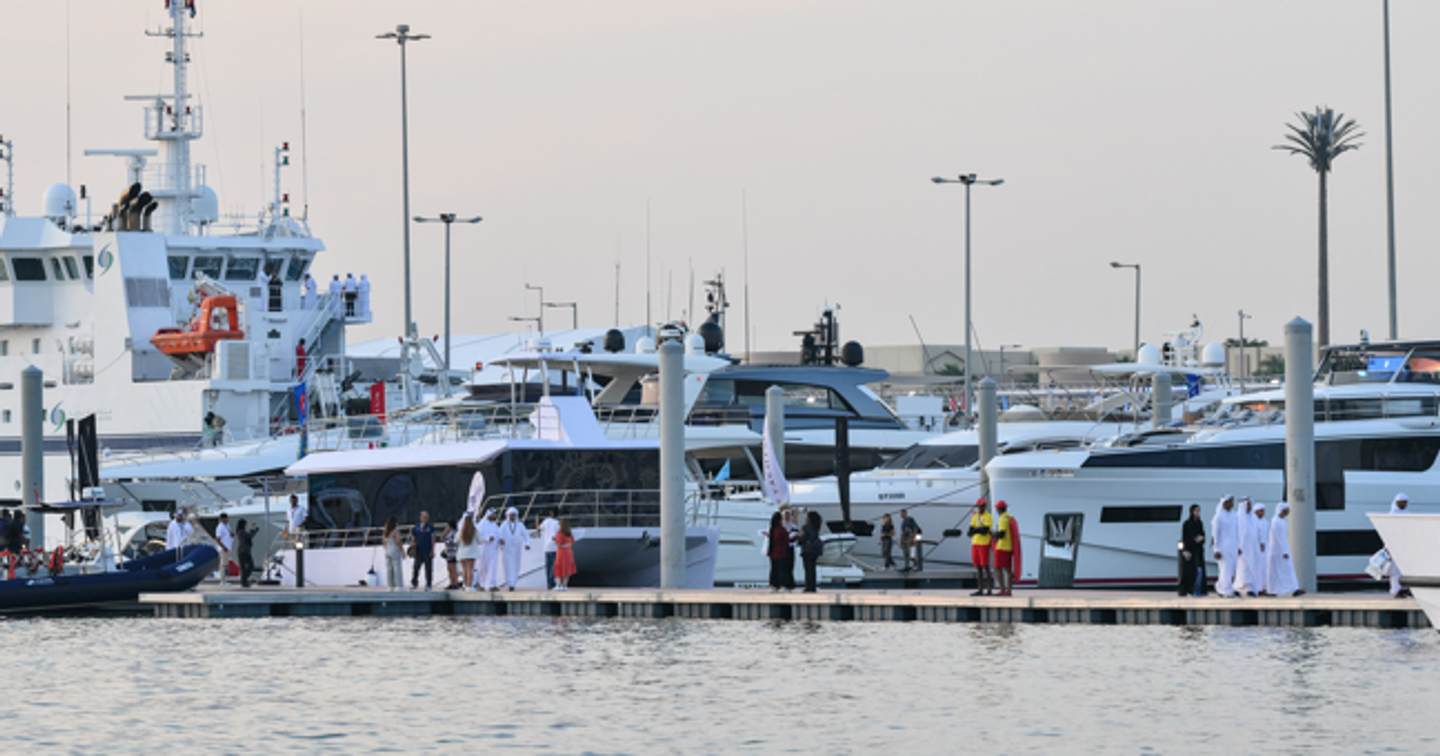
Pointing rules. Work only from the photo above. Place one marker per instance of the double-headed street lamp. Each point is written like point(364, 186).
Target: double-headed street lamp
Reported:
point(1136, 266)
point(574, 311)
point(447, 219)
point(402, 37)
point(968, 179)
point(539, 319)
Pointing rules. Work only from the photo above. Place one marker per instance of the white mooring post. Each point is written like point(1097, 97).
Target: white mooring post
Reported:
point(1300, 449)
point(672, 465)
point(775, 421)
point(985, 400)
point(32, 450)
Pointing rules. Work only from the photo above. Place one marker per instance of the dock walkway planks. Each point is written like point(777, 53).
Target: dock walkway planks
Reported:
point(1027, 606)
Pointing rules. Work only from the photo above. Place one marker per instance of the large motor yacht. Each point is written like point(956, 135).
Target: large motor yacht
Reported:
point(1377, 432)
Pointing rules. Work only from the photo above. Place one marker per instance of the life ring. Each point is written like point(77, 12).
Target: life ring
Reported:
point(57, 560)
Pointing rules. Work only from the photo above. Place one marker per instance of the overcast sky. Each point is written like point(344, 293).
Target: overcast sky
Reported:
point(1137, 130)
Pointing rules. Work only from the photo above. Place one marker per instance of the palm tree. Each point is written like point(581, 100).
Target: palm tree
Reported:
point(1321, 137)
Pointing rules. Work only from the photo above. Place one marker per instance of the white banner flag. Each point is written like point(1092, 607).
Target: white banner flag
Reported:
point(477, 493)
point(774, 485)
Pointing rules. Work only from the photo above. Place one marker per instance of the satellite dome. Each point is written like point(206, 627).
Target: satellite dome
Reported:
point(852, 354)
point(205, 207)
point(60, 202)
point(645, 345)
point(694, 344)
point(1148, 355)
point(1213, 354)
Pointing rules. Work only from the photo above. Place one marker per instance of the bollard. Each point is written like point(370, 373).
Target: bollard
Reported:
point(1300, 449)
point(1160, 398)
point(32, 450)
point(985, 397)
point(672, 465)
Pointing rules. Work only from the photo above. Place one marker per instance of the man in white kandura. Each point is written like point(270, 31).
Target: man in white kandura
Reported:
point(364, 296)
point(1251, 574)
point(1225, 533)
point(488, 574)
point(1280, 577)
point(1261, 525)
point(548, 528)
point(226, 537)
point(1399, 506)
point(514, 539)
point(307, 300)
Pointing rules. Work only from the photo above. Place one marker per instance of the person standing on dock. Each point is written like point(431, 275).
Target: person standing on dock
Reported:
point(887, 541)
point(295, 518)
point(488, 573)
point(1192, 554)
point(424, 536)
point(469, 550)
point(779, 551)
point(1398, 506)
point(1007, 549)
point(1259, 585)
point(548, 528)
point(1280, 576)
point(1248, 578)
point(514, 539)
point(811, 547)
point(351, 290)
point(390, 538)
point(245, 544)
point(175, 531)
point(564, 556)
point(227, 545)
point(1225, 531)
point(911, 542)
point(981, 527)
point(307, 300)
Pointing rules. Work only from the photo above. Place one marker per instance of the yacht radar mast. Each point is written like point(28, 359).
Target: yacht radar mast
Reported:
point(171, 120)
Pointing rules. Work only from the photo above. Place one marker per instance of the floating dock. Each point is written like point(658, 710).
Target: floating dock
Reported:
point(1027, 606)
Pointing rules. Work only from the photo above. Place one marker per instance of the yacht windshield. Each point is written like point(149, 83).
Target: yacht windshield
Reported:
point(933, 456)
point(1347, 366)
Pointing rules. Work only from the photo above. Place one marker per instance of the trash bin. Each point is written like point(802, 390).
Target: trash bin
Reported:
point(1059, 549)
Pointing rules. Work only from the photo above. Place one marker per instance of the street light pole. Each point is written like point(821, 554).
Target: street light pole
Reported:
point(574, 312)
point(1003, 347)
point(447, 219)
point(1389, 181)
point(402, 37)
point(1244, 365)
point(968, 179)
point(1136, 355)
point(540, 320)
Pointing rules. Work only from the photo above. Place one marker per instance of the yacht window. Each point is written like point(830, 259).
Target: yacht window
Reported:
point(296, 270)
point(4, 270)
point(273, 266)
point(242, 269)
point(208, 266)
point(179, 266)
point(35, 346)
point(29, 269)
point(1163, 513)
point(721, 393)
point(1347, 543)
point(55, 266)
point(1351, 409)
point(4, 347)
point(71, 268)
point(1422, 367)
point(934, 457)
point(89, 261)
point(6, 417)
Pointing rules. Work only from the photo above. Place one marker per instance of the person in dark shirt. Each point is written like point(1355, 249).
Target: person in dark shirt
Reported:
point(887, 541)
point(424, 535)
point(1192, 554)
point(244, 542)
point(811, 546)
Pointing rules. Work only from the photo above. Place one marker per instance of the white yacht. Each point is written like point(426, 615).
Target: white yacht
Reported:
point(154, 314)
point(1413, 541)
point(1377, 432)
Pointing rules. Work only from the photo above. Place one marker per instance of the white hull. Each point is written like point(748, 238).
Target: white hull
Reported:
point(1413, 541)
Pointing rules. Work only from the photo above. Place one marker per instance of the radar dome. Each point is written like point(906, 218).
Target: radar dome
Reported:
point(1149, 355)
point(694, 344)
point(714, 337)
point(205, 206)
point(645, 345)
point(1213, 354)
point(60, 202)
point(852, 354)
point(614, 341)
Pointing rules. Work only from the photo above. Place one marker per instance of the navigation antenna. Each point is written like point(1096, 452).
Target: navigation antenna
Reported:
point(171, 120)
point(304, 141)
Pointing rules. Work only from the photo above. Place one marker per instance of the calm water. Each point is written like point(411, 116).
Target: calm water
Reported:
point(124, 685)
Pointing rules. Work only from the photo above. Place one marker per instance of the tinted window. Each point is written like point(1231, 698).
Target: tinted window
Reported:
point(296, 270)
point(1165, 513)
point(4, 270)
point(1251, 457)
point(209, 266)
point(1347, 543)
point(934, 456)
point(71, 268)
point(29, 269)
point(179, 266)
point(55, 266)
point(89, 261)
point(273, 266)
point(242, 269)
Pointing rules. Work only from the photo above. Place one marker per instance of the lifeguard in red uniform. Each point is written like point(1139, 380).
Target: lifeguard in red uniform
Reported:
point(1007, 548)
point(981, 529)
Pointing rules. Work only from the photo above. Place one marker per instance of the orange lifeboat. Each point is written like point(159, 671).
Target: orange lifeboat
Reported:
point(218, 320)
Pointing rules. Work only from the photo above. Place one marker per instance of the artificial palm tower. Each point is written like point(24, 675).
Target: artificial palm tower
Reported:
point(1321, 137)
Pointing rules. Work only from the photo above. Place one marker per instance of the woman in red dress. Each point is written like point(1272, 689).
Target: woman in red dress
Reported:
point(564, 556)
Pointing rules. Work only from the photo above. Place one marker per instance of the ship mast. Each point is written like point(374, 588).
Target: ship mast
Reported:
point(175, 124)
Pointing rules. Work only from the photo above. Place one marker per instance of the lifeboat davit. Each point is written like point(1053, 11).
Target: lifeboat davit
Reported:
point(218, 320)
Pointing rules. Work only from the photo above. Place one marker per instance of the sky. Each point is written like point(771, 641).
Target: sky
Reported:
point(1129, 130)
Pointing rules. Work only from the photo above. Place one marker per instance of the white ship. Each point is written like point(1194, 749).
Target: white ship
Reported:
point(144, 314)
point(1413, 541)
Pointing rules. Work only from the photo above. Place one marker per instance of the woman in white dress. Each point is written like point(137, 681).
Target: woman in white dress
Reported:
point(469, 541)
